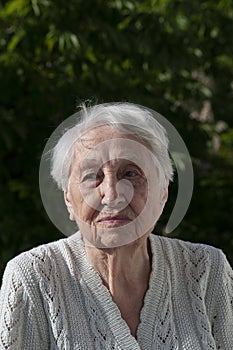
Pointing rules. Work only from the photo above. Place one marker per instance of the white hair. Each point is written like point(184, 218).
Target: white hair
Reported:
point(125, 117)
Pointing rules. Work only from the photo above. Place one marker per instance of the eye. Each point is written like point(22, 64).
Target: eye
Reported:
point(90, 177)
point(131, 173)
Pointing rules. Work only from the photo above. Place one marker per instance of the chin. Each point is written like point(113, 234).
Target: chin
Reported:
point(110, 236)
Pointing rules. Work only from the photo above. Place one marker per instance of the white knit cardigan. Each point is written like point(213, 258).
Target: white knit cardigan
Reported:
point(51, 298)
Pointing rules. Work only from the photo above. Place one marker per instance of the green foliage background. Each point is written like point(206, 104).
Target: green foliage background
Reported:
point(174, 56)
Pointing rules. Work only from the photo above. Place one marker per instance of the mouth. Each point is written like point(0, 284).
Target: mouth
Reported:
point(114, 220)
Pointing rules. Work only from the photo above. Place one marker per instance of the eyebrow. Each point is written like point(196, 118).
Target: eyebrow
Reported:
point(88, 163)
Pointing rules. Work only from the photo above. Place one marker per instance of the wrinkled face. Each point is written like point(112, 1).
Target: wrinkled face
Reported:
point(114, 193)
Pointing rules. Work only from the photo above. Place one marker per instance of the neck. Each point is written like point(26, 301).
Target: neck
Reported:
point(125, 271)
point(121, 268)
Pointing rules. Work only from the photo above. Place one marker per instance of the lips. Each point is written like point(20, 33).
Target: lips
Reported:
point(116, 219)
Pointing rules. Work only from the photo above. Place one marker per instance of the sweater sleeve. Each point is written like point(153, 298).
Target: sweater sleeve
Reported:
point(23, 323)
point(222, 320)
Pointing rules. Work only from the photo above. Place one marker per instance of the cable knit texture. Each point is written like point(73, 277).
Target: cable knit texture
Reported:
point(52, 298)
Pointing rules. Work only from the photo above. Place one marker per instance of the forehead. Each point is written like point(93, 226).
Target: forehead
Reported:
point(104, 143)
point(102, 133)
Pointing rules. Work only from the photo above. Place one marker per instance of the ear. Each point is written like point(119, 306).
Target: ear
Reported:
point(67, 198)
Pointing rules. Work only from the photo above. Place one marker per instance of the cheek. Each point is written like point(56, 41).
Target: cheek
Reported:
point(148, 196)
point(84, 210)
point(139, 198)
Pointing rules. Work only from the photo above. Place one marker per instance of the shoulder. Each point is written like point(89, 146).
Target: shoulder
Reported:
point(202, 269)
point(40, 261)
point(198, 262)
point(193, 252)
point(32, 294)
point(45, 250)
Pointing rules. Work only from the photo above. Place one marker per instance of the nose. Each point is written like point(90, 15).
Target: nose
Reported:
point(111, 195)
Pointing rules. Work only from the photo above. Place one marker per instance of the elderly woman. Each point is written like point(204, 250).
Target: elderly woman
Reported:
point(113, 284)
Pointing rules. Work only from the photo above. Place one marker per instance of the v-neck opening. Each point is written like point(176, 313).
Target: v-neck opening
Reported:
point(151, 304)
point(120, 330)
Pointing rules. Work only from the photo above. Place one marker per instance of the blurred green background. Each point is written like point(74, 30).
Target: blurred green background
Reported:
point(172, 56)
